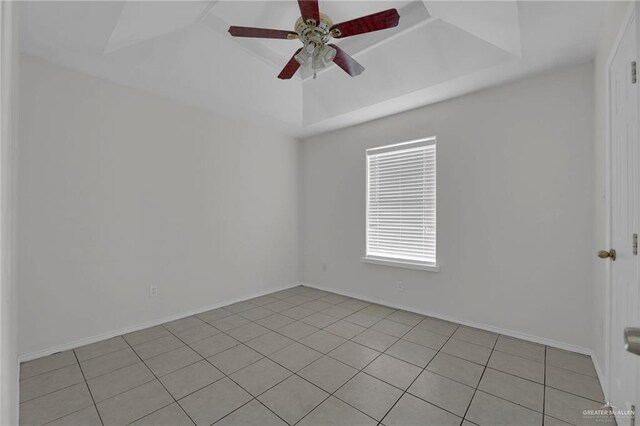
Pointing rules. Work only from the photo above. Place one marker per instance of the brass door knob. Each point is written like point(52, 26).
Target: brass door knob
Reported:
point(603, 254)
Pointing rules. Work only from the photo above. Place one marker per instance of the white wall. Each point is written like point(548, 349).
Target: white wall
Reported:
point(120, 189)
point(514, 208)
point(616, 12)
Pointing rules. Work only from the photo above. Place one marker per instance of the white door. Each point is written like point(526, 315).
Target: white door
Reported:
point(625, 218)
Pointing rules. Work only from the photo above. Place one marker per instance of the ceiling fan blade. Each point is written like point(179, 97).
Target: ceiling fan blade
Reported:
point(309, 10)
point(346, 62)
point(260, 32)
point(366, 24)
point(290, 69)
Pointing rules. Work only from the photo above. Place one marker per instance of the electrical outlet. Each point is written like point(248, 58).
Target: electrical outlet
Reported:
point(324, 267)
point(153, 291)
point(400, 285)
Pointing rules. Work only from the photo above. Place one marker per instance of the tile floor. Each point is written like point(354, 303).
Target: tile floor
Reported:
point(308, 357)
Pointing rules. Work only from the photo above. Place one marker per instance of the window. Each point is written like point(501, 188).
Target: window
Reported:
point(401, 205)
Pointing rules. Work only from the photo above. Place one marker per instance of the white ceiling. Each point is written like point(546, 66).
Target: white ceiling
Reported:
point(182, 50)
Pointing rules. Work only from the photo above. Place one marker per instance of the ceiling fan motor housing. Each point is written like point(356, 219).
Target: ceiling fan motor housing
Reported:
point(315, 36)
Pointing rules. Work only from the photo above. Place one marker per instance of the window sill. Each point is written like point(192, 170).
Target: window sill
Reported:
point(400, 264)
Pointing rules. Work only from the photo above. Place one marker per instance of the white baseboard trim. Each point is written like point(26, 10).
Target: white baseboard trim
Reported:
point(103, 336)
point(491, 328)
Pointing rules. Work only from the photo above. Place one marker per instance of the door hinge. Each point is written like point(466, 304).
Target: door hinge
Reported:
point(635, 244)
point(633, 72)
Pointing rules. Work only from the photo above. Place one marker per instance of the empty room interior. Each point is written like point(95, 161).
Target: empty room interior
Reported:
point(374, 212)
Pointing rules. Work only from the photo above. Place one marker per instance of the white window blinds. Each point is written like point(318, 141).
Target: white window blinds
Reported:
point(401, 202)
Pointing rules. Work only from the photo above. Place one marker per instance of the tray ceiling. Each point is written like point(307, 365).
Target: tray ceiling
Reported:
point(182, 50)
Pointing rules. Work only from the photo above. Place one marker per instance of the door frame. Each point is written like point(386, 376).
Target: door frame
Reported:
point(632, 11)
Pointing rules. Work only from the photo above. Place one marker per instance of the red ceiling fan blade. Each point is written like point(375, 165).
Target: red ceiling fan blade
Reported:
point(366, 24)
point(309, 10)
point(260, 32)
point(290, 69)
point(346, 62)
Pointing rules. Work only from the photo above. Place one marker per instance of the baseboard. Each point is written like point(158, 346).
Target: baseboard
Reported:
point(499, 330)
point(97, 338)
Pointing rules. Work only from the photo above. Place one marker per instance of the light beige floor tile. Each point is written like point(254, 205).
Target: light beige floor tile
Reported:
point(100, 348)
point(333, 412)
point(369, 395)
point(575, 383)
point(49, 382)
point(354, 303)
point(328, 373)
point(411, 352)
point(298, 312)
point(214, 344)
point(55, 405)
point(46, 364)
point(269, 343)
point(378, 311)
point(279, 306)
point(334, 298)
point(517, 366)
point(323, 341)
point(298, 300)
point(189, 379)
point(392, 328)
point(146, 335)
point(438, 326)
point(476, 336)
point(411, 411)
point(577, 363)
point(134, 404)
point(567, 407)
point(234, 359)
point(293, 399)
point(183, 324)
point(316, 305)
point(345, 329)
point(488, 410)
point(229, 323)
point(214, 315)
point(227, 396)
point(295, 357)
point(158, 346)
point(319, 320)
point(338, 311)
point(512, 388)
point(103, 364)
point(443, 392)
point(262, 300)
point(375, 340)
point(275, 321)
point(362, 319)
point(521, 348)
point(297, 330)
point(393, 371)
point(256, 313)
point(118, 381)
point(552, 421)
point(199, 332)
point(85, 417)
point(247, 332)
point(425, 337)
point(408, 318)
point(240, 307)
point(252, 414)
point(354, 354)
point(458, 369)
point(260, 376)
point(176, 359)
point(468, 351)
point(171, 415)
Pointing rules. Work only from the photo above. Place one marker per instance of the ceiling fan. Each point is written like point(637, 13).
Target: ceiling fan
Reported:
point(315, 30)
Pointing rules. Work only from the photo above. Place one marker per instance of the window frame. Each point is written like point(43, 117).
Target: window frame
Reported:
point(398, 262)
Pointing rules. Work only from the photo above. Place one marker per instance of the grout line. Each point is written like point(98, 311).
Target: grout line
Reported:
point(88, 388)
point(479, 381)
point(544, 385)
